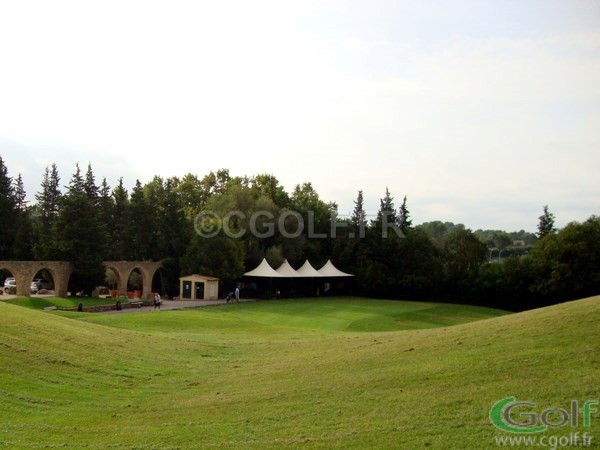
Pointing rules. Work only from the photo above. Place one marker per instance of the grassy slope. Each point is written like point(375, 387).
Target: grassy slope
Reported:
point(235, 376)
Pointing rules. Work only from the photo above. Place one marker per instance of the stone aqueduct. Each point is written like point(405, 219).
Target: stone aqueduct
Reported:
point(25, 271)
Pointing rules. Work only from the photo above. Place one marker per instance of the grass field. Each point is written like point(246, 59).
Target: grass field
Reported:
point(38, 302)
point(341, 373)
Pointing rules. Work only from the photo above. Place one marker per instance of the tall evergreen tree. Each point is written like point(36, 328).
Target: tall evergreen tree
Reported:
point(386, 216)
point(7, 212)
point(546, 223)
point(22, 246)
point(174, 229)
point(49, 198)
point(48, 205)
point(20, 194)
point(105, 210)
point(139, 233)
point(117, 243)
point(404, 220)
point(105, 200)
point(379, 251)
point(89, 185)
point(154, 199)
point(81, 236)
point(359, 216)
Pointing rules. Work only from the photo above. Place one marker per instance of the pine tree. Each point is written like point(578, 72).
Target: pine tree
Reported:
point(386, 207)
point(105, 200)
point(174, 230)
point(546, 223)
point(118, 219)
point(404, 221)
point(20, 194)
point(49, 198)
point(358, 214)
point(24, 237)
point(89, 185)
point(140, 225)
point(7, 212)
point(81, 236)
point(48, 205)
point(105, 211)
point(386, 216)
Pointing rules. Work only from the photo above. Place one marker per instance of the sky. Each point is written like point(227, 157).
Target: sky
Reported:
point(479, 112)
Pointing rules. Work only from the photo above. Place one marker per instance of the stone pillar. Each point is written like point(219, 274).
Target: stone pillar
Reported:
point(61, 272)
point(23, 283)
point(146, 283)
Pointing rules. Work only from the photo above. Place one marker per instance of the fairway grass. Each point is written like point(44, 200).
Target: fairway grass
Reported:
point(42, 302)
point(345, 373)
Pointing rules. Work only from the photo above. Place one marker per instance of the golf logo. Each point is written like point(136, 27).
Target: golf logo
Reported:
point(515, 416)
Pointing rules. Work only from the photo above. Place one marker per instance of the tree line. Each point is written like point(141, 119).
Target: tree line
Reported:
point(86, 222)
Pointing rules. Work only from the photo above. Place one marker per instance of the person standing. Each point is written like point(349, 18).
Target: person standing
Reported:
point(237, 294)
point(157, 301)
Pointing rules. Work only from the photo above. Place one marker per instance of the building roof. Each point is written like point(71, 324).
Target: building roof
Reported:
point(329, 270)
point(307, 270)
point(263, 270)
point(286, 270)
point(196, 277)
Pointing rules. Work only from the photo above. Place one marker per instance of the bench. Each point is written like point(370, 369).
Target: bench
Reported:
point(136, 304)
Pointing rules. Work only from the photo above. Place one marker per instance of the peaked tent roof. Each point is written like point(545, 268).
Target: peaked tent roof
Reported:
point(329, 270)
point(286, 270)
point(263, 270)
point(307, 271)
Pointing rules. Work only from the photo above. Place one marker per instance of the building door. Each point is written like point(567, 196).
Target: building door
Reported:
point(187, 289)
point(199, 291)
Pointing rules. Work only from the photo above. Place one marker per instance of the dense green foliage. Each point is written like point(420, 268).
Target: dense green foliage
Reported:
point(81, 236)
point(247, 376)
point(223, 226)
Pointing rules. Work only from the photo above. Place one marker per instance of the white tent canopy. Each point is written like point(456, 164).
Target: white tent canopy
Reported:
point(307, 270)
point(263, 270)
point(287, 271)
point(329, 270)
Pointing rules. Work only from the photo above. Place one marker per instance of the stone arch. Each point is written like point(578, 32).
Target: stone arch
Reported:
point(124, 268)
point(9, 267)
point(51, 272)
point(117, 277)
point(131, 277)
point(25, 271)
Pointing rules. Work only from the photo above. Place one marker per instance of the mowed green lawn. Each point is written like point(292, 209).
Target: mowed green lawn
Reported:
point(356, 314)
point(339, 373)
point(42, 302)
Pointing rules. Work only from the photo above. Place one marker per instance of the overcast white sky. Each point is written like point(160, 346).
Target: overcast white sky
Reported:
point(481, 112)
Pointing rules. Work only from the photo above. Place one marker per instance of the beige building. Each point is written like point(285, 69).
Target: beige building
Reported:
point(198, 287)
